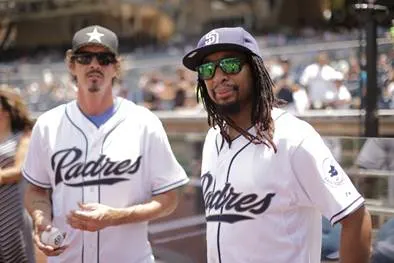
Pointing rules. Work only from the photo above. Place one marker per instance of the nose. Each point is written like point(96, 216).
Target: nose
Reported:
point(94, 62)
point(219, 76)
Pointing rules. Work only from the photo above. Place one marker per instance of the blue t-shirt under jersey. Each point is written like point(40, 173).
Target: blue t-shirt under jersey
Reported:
point(99, 120)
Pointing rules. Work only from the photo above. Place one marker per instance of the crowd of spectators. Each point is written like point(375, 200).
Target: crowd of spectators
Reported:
point(322, 84)
point(323, 78)
point(326, 84)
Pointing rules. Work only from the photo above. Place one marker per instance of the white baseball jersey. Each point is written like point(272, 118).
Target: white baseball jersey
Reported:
point(124, 162)
point(264, 207)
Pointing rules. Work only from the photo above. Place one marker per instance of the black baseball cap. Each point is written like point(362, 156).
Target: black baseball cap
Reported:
point(95, 35)
point(219, 39)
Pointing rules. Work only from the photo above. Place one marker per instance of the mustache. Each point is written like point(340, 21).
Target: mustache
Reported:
point(95, 71)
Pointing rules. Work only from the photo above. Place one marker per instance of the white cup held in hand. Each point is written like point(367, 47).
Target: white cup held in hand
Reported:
point(53, 238)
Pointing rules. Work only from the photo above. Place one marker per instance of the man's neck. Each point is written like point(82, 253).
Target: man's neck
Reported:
point(242, 120)
point(95, 104)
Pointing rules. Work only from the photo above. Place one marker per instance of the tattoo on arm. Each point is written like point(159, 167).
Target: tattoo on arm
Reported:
point(37, 201)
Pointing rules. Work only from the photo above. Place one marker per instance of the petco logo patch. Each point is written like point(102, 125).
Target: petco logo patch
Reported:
point(212, 38)
point(331, 175)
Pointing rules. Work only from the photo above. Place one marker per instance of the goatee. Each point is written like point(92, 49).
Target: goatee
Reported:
point(229, 109)
point(94, 88)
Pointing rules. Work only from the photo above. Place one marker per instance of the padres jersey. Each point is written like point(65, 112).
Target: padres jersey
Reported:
point(122, 163)
point(264, 207)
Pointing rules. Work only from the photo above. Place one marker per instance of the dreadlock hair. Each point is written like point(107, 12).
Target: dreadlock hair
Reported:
point(263, 102)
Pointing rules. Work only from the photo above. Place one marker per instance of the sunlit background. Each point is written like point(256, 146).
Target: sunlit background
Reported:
point(154, 35)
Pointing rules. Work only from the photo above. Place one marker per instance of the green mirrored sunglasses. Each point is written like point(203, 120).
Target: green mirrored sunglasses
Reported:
point(227, 65)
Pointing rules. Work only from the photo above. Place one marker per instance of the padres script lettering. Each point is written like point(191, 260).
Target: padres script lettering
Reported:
point(227, 199)
point(67, 164)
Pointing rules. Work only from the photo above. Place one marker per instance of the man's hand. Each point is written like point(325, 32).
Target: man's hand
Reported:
point(42, 224)
point(91, 217)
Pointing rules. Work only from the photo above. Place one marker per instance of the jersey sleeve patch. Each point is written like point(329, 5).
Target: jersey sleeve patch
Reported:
point(331, 175)
point(171, 186)
point(34, 181)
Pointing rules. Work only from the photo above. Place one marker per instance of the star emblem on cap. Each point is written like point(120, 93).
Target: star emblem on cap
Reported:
point(95, 35)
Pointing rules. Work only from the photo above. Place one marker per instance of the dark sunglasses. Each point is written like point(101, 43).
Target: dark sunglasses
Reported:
point(103, 58)
point(227, 65)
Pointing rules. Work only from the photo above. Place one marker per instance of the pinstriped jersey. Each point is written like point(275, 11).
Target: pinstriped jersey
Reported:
point(122, 163)
point(12, 243)
point(264, 207)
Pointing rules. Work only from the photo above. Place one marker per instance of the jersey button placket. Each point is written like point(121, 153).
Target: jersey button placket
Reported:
point(93, 154)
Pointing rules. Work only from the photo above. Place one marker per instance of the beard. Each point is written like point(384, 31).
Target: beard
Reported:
point(94, 88)
point(231, 107)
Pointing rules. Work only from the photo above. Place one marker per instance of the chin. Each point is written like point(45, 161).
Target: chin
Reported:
point(94, 87)
point(92, 90)
point(229, 107)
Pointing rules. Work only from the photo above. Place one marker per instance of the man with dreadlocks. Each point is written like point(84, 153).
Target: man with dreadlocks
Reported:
point(267, 177)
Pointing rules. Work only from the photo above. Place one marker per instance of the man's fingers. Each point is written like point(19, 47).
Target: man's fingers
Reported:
point(76, 223)
point(81, 215)
point(84, 225)
point(89, 206)
point(76, 217)
point(37, 241)
point(40, 228)
point(50, 251)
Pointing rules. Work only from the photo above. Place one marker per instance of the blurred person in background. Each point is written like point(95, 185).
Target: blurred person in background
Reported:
point(284, 82)
point(167, 95)
point(185, 95)
point(180, 97)
point(387, 99)
point(340, 98)
point(331, 240)
point(383, 247)
point(317, 79)
point(100, 167)
point(152, 86)
point(377, 154)
point(383, 78)
point(301, 99)
point(266, 176)
point(288, 90)
point(16, 244)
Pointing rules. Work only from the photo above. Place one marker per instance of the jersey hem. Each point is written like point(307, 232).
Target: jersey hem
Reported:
point(34, 181)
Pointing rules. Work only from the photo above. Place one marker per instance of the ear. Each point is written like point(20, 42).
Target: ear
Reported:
point(118, 68)
point(70, 64)
point(71, 67)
